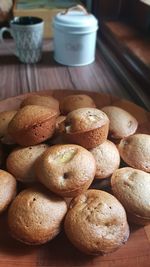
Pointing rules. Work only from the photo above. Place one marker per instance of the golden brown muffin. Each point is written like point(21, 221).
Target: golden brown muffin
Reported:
point(5, 118)
point(122, 123)
point(132, 188)
point(8, 187)
point(96, 223)
point(87, 127)
point(36, 215)
point(32, 125)
point(66, 170)
point(138, 112)
point(72, 102)
point(20, 162)
point(107, 159)
point(41, 100)
point(135, 151)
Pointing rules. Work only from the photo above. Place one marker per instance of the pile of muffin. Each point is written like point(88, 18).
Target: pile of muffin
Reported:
point(56, 151)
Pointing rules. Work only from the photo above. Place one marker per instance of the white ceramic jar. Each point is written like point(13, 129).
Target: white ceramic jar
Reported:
point(75, 37)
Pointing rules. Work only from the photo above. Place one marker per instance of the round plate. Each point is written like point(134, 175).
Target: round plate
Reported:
point(59, 252)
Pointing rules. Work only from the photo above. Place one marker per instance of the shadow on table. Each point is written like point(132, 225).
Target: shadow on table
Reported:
point(46, 61)
point(8, 60)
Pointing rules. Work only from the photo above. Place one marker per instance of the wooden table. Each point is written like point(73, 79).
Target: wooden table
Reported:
point(17, 78)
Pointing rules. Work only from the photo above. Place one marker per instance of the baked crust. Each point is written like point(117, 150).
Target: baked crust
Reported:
point(72, 102)
point(96, 223)
point(8, 188)
point(36, 216)
point(132, 188)
point(87, 127)
point(41, 100)
point(135, 151)
point(107, 159)
point(122, 123)
point(20, 162)
point(66, 170)
point(32, 125)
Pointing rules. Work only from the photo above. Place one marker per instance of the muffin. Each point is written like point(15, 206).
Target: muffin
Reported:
point(20, 162)
point(87, 127)
point(107, 159)
point(41, 100)
point(138, 112)
point(66, 170)
point(36, 215)
point(72, 102)
point(32, 125)
point(135, 151)
point(132, 188)
point(122, 123)
point(8, 187)
point(5, 118)
point(96, 223)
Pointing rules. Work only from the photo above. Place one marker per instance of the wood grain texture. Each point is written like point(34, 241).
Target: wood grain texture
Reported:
point(17, 78)
point(59, 252)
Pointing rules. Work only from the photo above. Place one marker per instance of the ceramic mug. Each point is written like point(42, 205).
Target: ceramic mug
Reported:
point(27, 33)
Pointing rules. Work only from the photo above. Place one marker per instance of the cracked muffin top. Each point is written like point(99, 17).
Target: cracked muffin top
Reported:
point(122, 123)
point(96, 222)
point(85, 119)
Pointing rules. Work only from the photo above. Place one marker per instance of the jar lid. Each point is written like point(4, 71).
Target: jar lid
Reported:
point(76, 19)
